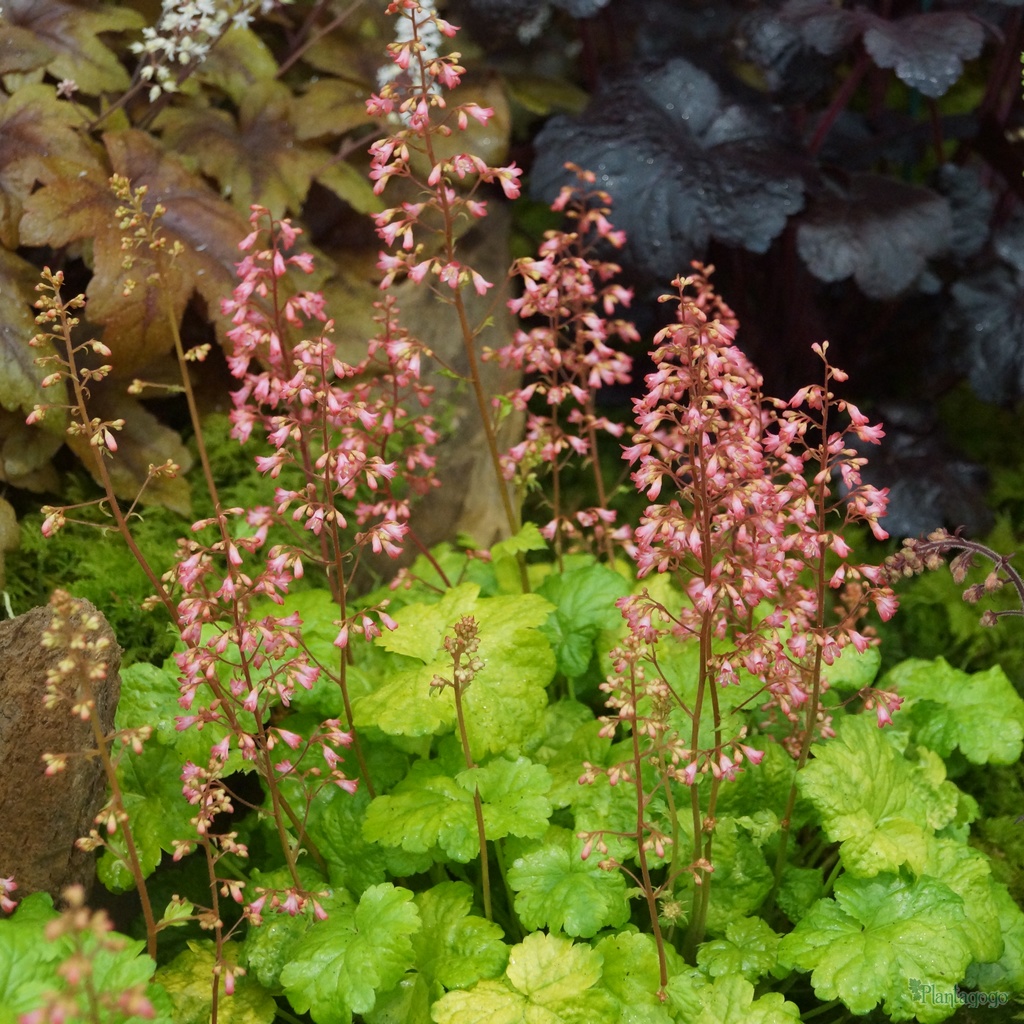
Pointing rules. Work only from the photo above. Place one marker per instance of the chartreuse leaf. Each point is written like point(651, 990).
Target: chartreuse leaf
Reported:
point(967, 872)
point(980, 713)
point(726, 1000)
point(455, 948)
point(549, 980)
point(340, 965)
point(505, 702)
point(853, 669)
point(514, 795)
point(556, 889)
point(426, 810)
point(632, 974)
point(188, 980)
point(882, 807)
point(422, 627)
point(750, 949)
point(433, 806)
point(884, 940)
point(584, 601)
point(1007, 973)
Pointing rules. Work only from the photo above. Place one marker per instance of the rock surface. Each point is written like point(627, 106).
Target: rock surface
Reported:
point(41, 816)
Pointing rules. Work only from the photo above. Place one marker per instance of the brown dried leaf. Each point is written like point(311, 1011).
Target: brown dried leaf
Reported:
point(69, 210)
point(38, 136)
point(25, 453)
point(72, 32)
point(20, 387)
point(144, 442)
point(256, 158)
point(238, 62)
point(331, 106)
point(23, 51)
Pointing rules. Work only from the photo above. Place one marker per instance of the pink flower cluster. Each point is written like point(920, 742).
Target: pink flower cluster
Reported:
point(748, 483)
point(414, 102)
point(571, 353)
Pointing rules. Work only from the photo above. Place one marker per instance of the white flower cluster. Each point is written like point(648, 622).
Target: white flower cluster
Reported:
point(186, 32)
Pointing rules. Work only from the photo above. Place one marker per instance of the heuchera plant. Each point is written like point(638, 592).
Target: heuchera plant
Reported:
point(646, 773)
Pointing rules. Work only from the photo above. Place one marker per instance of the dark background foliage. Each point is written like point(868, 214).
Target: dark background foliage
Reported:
point(854, 172)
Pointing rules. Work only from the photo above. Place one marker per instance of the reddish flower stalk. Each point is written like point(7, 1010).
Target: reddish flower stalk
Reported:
point(422, 233)
point(463, 647)
point(570, 357)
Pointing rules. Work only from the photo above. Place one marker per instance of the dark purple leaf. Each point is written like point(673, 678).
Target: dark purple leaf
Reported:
point(792, 70)
point(971, 204)
point(926, 51)
point(879, 231)
point(822, 25)
point(1009, 242)
point(682, 163)
point(930, 484)
point(989, 328)
point(580, 8)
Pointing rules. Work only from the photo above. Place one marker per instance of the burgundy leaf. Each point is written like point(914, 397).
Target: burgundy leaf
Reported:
point(683, 164)
point(879, 231)
point(926, 51)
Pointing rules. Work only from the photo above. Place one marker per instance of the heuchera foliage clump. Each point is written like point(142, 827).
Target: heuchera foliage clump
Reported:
point(601, 771)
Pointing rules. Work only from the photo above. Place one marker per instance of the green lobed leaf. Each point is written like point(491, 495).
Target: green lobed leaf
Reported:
point(336, 826)
point(750, 950)
point(268, 946)
point(514, 796)
point(549, 980)
point(967, 872)
point(505, 702)
point(30, 964)
point(584, 601)
point(422, 627)
point(742, 876)
point(1005, 974)
point(427, 809)
point(882, 807)
point(149, 696)
point(556, 889)
point(883, 940)
point(632, 974)
point(341, 964)
point(980, 713)
point(800, 889)
point(159, 814)
point(727, 1000)
point(455, 948)
point(27, 963)
point(853, 669)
